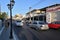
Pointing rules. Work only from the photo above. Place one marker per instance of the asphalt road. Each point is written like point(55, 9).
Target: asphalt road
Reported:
point(26, 33)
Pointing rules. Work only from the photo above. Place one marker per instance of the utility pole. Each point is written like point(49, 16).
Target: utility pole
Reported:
point(30, 13)
point(0, 8)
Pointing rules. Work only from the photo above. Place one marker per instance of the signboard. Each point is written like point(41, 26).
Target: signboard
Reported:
point(53, 9)
point(48, 17)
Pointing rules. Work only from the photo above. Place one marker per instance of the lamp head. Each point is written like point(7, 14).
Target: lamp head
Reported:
point(12, 2)
point(8, 6)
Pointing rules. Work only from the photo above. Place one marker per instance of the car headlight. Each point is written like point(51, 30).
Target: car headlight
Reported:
point(21, 23)
point(43, 25)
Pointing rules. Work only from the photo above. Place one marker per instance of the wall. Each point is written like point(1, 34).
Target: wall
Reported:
point(53, 14)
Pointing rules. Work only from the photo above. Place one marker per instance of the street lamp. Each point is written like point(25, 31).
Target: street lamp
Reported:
point(10, 6)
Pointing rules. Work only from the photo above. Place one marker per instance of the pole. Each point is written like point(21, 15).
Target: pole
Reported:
point(30, 13)
point(11, 21)
point(33, 16)
point(0, 8)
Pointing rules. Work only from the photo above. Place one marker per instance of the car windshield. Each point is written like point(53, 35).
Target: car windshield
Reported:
point(18, 21)
point(34, 22)
point(41, 23)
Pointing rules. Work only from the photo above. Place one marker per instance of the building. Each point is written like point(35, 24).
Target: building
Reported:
point(53, 13)
point(36, 15)
point(46, 14)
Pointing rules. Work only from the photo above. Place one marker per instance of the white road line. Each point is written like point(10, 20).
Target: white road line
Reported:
point(1, 30)
point(35, 33)
point(15, 36)
point(28, 35)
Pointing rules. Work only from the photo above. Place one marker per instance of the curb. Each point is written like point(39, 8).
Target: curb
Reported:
point(2, 30)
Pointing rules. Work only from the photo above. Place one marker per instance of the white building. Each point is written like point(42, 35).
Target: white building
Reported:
point(36, 14)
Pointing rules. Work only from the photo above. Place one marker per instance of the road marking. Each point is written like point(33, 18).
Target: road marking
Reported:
point(1, 30)
point(28, 35)
point(34, 32)
point(15, 36)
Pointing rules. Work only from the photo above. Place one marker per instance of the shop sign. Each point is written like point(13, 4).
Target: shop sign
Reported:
point(53, 9)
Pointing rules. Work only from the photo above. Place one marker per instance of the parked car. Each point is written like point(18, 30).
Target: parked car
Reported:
point(44, 27)
point(39, 25)
point(33, 25)
point(28, 23)
point(19, 23)
point(55, 25)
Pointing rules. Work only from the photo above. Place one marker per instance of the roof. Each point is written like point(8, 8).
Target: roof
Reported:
point(53, 5)
point(44, 9)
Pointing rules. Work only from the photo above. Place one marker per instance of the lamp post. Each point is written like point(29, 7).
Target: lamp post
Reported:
point(10, 6)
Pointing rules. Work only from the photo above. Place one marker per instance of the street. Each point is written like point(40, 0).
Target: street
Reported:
point(31, 34)
point(26, 33)
point(30, 20)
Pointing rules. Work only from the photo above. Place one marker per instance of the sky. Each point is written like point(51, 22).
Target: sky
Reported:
point(22, 6)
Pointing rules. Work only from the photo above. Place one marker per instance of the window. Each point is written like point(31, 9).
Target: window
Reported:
point(41, 23)
point(57, 22)
point(34, 22)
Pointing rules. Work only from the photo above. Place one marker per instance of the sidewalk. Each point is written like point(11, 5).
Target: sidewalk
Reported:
point(5, 34)
point(1, 30)
point(2, 26)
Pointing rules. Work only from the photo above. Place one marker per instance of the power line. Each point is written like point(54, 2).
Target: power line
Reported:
point(41, 1)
